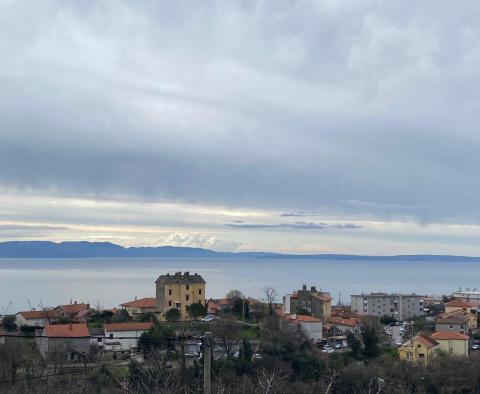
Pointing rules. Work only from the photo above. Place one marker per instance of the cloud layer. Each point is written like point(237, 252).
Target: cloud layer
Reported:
point(364, 111)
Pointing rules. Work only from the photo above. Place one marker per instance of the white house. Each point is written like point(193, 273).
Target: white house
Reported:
point(34, 318)
point(121, 337)
point(310, 326)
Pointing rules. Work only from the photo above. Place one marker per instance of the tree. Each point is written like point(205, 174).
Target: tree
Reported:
point(354, 344)
point(257, 313)
point(270, 298)
point(370, 341)
point(234, 294)
point(386, 319)
point(8, 323)
point(227, 334)
point(173, 315)
point(148, 317)
point(241, 308)
point(120, 317)
point(158, 337)
point(196, 310)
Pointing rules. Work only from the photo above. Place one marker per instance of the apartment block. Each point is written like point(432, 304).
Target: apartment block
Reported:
point(399, 306)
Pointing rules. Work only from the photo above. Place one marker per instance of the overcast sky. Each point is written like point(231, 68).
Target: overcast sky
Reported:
point(294, 126)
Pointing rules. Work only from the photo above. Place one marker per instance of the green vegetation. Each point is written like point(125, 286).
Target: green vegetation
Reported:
point(196, 310)
point(9, 323)
point(173, 315)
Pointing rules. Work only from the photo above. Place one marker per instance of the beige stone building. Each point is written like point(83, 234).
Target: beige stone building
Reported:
point(452, 343)
point(179, 291)
point(311, 301)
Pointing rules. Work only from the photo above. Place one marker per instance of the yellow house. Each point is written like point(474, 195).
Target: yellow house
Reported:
point(453, 343)
point(419, 350)
point(179, 291)
point(458, 305)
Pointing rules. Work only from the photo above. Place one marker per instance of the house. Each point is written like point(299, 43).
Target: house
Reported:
point(309, 326)
point(419, 350)
point(137, 308)
point(452, 323)
point(69, 341)
point(123, 337)
point(452, 343)
point(342, 325)
point(75, 312)
point(35, 318)
point(458, 305)
point(179, 291)
point(313, 301)
point(398, 306)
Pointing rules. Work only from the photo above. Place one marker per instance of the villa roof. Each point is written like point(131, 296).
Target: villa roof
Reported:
point(141, 303)
point(30, 315)
point(449, 335)
point(453, 319)
point(427, 341)
point(67, 330)
point(459, 304)
point(73, 308)
point(302, 318)
point(127, 327)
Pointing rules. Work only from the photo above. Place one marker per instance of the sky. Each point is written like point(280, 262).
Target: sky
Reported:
point(289, 126)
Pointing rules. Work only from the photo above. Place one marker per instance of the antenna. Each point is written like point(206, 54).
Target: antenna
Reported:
point(29, 304)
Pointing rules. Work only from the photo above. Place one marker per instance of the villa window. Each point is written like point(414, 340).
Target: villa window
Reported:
point(187, 297)
point(170, 292)
point(200, 291)
point(188, 287)
point(169, 303)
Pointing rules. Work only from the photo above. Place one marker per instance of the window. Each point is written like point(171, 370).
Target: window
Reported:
point(170, 292)
point(421, 355)
point(187, 297)
point(178, 305)
point(188, 287)
point(99, 339)
point(199, 291)
point(169, 303)
point(111, 336)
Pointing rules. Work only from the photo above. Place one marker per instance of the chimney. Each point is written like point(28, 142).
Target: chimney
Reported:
point(304, 287)
point(313, 288)
point(75, 302)
point(187, 273)
point(135, 298)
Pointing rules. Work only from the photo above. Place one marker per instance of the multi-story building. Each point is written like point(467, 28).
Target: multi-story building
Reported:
point(138, 308)
point(179, 291)
point(467, 294)
point(399, 306)
point(313, 302)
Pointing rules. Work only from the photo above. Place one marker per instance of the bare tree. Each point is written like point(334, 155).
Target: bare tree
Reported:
point(270, 298)
point(269, 381)
point(227, 336)
point(234, 294)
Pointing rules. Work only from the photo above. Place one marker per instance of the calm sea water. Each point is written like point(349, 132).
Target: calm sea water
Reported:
point(112, 281)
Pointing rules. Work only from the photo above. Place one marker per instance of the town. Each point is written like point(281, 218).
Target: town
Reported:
point(182, 330)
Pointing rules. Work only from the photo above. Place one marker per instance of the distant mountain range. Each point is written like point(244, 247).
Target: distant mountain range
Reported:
point(46, 249)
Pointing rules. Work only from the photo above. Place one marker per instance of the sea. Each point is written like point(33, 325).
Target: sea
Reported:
point(108, 282)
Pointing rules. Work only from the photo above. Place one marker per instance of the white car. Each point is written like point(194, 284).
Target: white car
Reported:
point(256, 356)
point(327, 349)
point(207, 319)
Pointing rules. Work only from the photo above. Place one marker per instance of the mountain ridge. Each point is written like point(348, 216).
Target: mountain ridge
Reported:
point(86, 249)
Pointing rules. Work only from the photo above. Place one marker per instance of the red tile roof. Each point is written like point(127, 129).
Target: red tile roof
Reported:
point(302, 318)
point(141, 303)
point(73, 308)
point(446, 335)
point(67, 330)
point(428, 342)
point(127, 326)
point(28, 315)
point(459, 304)
point(351, 322)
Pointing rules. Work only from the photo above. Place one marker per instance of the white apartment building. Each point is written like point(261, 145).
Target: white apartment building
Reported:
point(399, 306)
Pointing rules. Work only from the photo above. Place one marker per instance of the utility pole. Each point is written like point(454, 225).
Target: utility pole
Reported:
point(207, 363)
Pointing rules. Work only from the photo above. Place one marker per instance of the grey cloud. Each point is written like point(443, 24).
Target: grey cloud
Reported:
point(295, 106)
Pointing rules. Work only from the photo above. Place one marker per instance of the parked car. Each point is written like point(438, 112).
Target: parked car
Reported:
point(192, 354)
point(327, 349)
point(398, 342)
point(256, 356)
point(339, 345)
point(207, 318)
point(475, 346)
